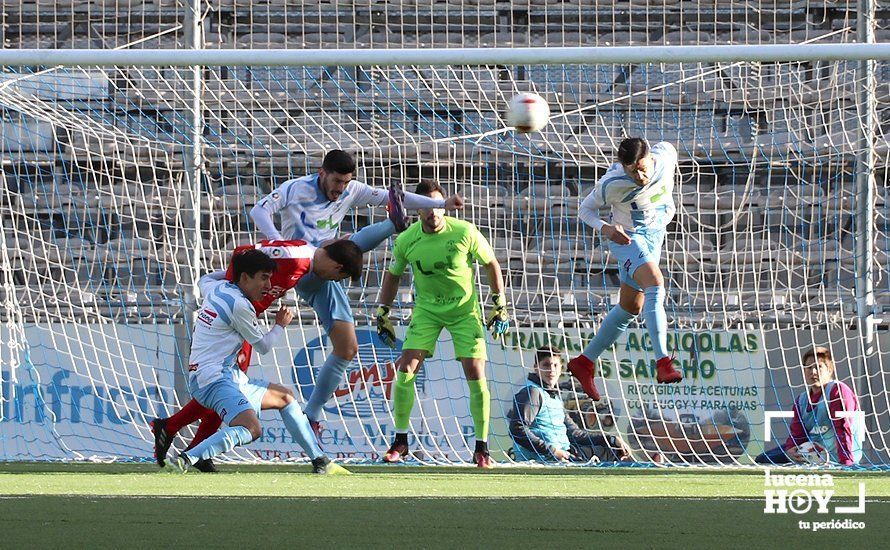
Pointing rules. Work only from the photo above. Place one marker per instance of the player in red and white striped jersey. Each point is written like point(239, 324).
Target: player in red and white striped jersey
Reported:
point(294, 259)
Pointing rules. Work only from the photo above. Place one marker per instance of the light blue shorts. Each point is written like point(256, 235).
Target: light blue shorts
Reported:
point(231, 395)
point(643, 248)
point(327, 298)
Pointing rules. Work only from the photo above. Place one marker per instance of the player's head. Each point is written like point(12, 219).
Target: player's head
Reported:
point(548, 365)
point(252, 272)
point(336, 172)
point(818, 366)
point(633, 154)
point(338, 260)
point(433, 219)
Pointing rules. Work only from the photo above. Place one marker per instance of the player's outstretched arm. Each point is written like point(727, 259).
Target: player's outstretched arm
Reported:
point(365, 194)
point(414, 201)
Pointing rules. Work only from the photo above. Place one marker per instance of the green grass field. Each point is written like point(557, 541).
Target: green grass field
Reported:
point(55, 505)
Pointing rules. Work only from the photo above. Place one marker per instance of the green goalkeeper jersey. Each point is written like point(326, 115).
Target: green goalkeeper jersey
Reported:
point(442, 264)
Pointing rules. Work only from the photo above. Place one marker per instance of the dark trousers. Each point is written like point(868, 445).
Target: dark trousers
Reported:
point(773, 456)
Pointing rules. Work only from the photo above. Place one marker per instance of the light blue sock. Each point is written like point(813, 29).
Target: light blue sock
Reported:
point(656, 320)
point(614, 324)
point(368, 237)
point(298, 426)
point(329, 377)
point(222, 441)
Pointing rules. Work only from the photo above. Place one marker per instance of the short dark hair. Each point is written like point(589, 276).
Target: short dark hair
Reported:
point(632, 150)
point(348, 254)
point(820, 355)
point(428, 187)
point(338, 161)
point(251, 262)
point(544, 352)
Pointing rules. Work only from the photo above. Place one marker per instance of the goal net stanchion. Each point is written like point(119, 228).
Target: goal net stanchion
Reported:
point(759, 262)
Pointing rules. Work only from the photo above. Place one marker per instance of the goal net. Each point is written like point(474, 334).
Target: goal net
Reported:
point(118, 194)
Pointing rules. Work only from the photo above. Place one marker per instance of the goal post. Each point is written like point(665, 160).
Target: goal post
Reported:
point(576, 55)
point(764, 260)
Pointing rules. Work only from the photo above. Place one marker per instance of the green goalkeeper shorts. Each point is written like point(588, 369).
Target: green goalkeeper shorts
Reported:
point(466, 329)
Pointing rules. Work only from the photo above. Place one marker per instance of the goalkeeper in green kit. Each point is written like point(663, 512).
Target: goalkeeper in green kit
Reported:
point(441, 251)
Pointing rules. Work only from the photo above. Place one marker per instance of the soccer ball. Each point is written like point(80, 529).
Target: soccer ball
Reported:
point(528, 113)
point(813, 455)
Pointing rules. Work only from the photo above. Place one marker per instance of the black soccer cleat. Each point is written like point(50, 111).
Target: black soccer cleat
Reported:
point(205, 465)
point(163, 440)
point(324, 466)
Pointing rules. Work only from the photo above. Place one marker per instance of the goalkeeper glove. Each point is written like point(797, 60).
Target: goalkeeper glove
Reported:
point(385, 330)
point(498, 318)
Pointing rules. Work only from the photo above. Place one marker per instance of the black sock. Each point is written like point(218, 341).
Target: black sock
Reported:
point(481, 446)
point(401, 438)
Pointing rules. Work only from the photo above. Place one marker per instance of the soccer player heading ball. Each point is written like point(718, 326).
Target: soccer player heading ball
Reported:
point(312, 208)
point(441, 250)
point(639, 190)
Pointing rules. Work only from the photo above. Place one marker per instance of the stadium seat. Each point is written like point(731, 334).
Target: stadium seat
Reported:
point(60, 84)
point(623, 39)
point(21, 135)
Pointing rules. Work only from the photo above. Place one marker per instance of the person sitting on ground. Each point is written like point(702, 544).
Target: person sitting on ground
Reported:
point(542, 430)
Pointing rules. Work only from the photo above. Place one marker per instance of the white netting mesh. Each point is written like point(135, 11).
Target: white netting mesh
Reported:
point(760, 262)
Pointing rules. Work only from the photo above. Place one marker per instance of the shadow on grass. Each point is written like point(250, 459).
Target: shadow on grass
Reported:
point(387, 522)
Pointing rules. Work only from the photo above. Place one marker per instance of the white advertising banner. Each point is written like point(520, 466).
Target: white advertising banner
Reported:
point(89, 391)
point(86, 391)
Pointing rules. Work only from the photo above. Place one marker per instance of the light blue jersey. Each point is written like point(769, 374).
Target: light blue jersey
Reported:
point(637, 209)
point(225, 320)
point(308, 215)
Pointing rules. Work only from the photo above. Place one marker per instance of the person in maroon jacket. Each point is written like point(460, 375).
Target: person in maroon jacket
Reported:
point(817, 421)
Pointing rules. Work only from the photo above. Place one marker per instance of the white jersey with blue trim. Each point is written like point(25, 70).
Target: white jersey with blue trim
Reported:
point(308, 215)
point(636, 208)
point(225, 320)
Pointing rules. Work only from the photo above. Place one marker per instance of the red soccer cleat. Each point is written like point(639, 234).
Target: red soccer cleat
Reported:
point(666, 373)
point(483, 460)
point(396, 453)
point(584, 370)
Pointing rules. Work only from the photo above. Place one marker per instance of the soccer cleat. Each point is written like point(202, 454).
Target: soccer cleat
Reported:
point(324, 466)
point(396, 209)
point(334, 469)
point(181, 463)
point(584, 370)
point(163, 440)
point(205, 465)
point(396, 453)
point(666, 373)
point(483, 460)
